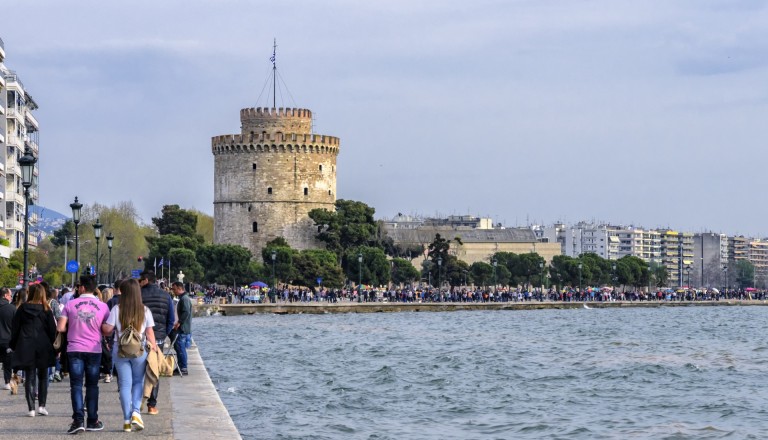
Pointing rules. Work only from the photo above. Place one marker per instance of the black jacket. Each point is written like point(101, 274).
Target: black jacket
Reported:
point(160, 303)
point(7, 310)
point(32, 335)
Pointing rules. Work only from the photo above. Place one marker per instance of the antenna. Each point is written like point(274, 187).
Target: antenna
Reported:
point(274, 73)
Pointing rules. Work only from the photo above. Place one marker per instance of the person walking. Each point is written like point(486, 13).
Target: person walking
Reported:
point(183, 326)
point(131, 312)
point(32, 335)
point(81, 319)
point(161, 305)
point(7, 310)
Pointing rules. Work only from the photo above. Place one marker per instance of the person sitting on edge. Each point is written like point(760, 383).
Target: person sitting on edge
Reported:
point(85, 315)
point(161, 305)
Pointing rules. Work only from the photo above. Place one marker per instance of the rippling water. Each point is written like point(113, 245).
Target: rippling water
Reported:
point(677, 373)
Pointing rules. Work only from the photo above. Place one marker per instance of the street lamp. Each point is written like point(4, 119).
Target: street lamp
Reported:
point(613, 274)
point(580, 265)
point(27, 163)
point(76, 207)
point(360, 277)
point(274, 280)
point(110, 239)
point(495, 283)
point(97, 233)
point(725, 269)
point(439, 273)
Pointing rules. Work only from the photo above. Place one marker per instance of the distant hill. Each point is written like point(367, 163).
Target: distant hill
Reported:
point(48, 219)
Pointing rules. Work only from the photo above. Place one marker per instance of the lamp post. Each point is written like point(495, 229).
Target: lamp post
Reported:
point(613, 274)
point(580, 266)
point(27, 163)
point(360, 277)
point(725, 269)
point(76, 207)
point(439, 274)
point(110, 239)
point(97, 233)
point(274, 280)
point(495, 283)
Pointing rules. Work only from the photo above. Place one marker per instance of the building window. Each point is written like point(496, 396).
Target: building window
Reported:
point(321, 168)
point(329, 192)
point(255, 226)
point(269, 190)
point(306, 191)
point(254, 166)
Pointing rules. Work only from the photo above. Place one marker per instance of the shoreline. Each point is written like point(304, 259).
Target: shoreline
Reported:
point(201, 310)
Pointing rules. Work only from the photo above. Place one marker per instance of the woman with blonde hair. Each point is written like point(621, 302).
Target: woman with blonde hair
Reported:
point(32, 333)
point(131, 312)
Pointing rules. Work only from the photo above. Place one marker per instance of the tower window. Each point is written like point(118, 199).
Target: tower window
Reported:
point(329, 192)
point(269, 190)
point(255, 226)
point(254, 166)
point(306, 191)
point(321, 168)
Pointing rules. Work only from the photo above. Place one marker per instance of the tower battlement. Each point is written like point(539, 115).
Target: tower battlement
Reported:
point(266, 140)
point(274, 120)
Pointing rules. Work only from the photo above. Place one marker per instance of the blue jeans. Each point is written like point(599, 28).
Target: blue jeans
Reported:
point(84, 365)
point(183, 342)
point(130, 378)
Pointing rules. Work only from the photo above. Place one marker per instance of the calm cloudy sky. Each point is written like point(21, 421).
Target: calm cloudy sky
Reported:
point(649, 112)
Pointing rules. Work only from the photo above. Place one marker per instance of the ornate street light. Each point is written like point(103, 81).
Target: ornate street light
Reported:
point(27, 163)
point(97, 233)
point(580, 266)
point(76, 207)
point(439, 274)
point(360, 277)
point(110, 239)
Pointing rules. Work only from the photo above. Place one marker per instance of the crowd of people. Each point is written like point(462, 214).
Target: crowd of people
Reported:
point(468, 294)
point(89, 333)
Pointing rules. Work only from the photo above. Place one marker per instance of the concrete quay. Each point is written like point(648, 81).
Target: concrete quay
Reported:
point(282, 308)
point(190, 408)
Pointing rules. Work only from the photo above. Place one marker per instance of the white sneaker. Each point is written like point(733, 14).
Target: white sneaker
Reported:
point(31, 413)
point(108, 378)
point(7, 386)
point(42, 411)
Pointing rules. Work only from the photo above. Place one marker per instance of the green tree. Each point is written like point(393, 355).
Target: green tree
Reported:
point(632, 271)
point(374, 268)
point(565, 270)
point(176, 221)
point(745, 273)
point(454, 271)
point(204, 226)
point(285, 270)
point(185, 260)
point(659, 275)
point(225, 264)
point(9, 277)
point(312, 264)
point(482, 273)
point(403, 271)
point(350, 225)
point(65, 232)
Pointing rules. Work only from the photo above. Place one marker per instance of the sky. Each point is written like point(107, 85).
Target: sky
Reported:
point(646, 113)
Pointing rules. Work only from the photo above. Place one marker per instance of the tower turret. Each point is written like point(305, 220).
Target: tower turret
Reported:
point(268, 178)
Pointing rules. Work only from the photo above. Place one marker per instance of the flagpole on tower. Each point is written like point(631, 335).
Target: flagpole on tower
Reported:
point(274, 73)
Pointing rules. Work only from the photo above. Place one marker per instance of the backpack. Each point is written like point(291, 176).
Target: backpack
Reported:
point(131, 346)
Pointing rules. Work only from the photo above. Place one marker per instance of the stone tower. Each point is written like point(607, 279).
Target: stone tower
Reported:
point(268, 178)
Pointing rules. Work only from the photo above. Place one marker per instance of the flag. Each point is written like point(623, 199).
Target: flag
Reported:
point(161, 262)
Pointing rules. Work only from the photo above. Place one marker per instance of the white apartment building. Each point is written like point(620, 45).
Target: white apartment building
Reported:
point(18, 131)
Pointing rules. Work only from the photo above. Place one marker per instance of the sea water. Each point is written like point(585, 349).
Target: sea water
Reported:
point(678, 373)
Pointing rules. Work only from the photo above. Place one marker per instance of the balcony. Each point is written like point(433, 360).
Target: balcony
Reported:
point(15, 140)
point(32, 146)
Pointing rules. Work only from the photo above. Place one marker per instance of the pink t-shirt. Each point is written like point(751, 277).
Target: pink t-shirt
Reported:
point(84, 318)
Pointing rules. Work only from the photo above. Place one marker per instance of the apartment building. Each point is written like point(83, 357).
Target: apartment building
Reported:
point(758, 256)
point(18, 132)
point(710, 257)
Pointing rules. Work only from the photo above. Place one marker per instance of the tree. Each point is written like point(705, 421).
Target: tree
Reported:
point(176, 221)
point(632, 271)
point(225, 263)
point(403, 271)
point(659, 275)
point(204, 226)
point(565, 270)
point(185, 260)
point(65, 232)
point(482, 273)
point(744, 273)
point(374, 268)
point(312, 264)
point(454, 271)
point(350, 225)
point(284, 268)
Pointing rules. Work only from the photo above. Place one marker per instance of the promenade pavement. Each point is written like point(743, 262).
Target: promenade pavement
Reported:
point(190, 408)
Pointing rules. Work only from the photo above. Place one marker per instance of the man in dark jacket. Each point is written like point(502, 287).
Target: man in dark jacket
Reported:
point(183, 326)
point(7, 311)
point(160, 304)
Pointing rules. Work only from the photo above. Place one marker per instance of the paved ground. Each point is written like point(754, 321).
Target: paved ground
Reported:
point(190, 408)
point(14, 422)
